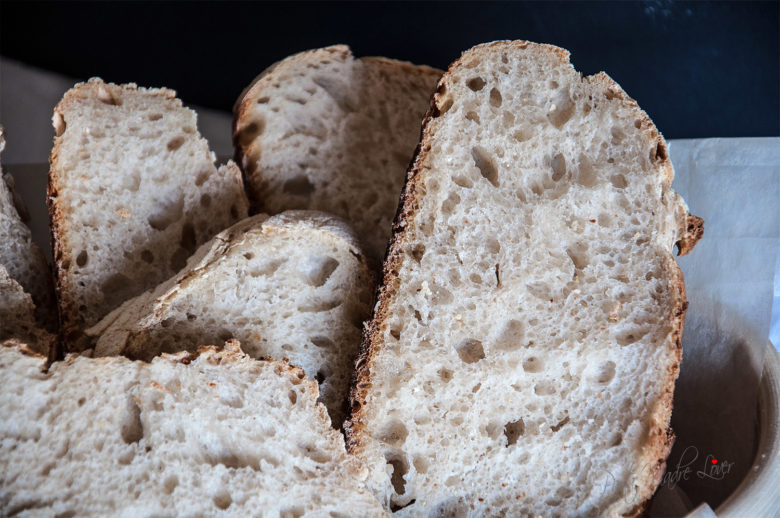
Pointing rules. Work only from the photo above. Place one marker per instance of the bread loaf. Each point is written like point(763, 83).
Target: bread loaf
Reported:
point(212, 433)
point(325, 131)
point(522, 356)
point(22, 259)
point(295, 285)
point(133, 191)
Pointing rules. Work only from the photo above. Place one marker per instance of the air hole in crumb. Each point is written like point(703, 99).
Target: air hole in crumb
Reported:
point(561, 109)
point(105, 96)
point(445, 375)
point(421, 464)
point(513, 431)
point(222, 500)
point(511, 336)
point(251, 131)
point(615, 439)
point(175, 143)
point(476, 84)
point(317, 269)
point(147, 256)
point(578, 255)
point(292, 395)
point(155, 116)
point(532, 365)
point(179, 259)
point(495, 97)
point(444, 106)
point(462, 181)
point(587, 175)
point(81, 260)
point(299, 186)
point(132, 429)
point(605, 219)
point(168, 212)
point(544, 388)
point(659, 151)
point(617, 135)
point(558, 165)
point(81, 401)
point(470, 351)
point(485, 164)
point(560, 424)
point(619, 181)
point(170, 483)
point(521, 135)
point(400, 468)
point(417, 251)
point(393, 432)
point(234, 212)
point(606, 372)
point(630, 336)
point(472, 116)
point(322, 341)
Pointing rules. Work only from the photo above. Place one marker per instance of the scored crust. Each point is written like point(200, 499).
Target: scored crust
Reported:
point(689, 230)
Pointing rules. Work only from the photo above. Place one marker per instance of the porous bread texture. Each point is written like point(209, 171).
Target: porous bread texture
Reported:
point(208, 434)
point(295, 285)
point(133, 191)
point(17, 316)
point(23, 260)
point(322, 130)
point(522, 355)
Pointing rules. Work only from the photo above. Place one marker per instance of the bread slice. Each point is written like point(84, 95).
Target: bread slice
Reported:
point(17, 316)
point(204, 434)
point(133, 191)
point(295, 286)
point(322, 130)
point(22, 259)
point(522, 356)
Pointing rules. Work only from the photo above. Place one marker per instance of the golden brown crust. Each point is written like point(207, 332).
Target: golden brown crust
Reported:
point(660, 434)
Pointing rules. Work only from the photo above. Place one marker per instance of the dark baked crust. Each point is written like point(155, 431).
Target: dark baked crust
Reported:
point(660, 436)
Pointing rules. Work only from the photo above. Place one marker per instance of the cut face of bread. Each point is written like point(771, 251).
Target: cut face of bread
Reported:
point(522, 355)
point(133, 191)
point(213, 433)
point(322, 130)
point(17, 316)
point(295, 286)
point(22, 259)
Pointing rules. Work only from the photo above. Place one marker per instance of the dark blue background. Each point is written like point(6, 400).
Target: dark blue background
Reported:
point(699, 69)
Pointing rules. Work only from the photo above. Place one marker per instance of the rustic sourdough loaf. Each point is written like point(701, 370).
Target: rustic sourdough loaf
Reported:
point(322, 130)
point(133, 191)
point(213, 433)
point(295, 285)
point(22, 259)
point(522, 356)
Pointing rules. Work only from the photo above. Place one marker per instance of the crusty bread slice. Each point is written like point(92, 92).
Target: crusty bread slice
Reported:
point(17, 316)
point(522, 356)
point(23, 260)
point(295, 286)
point(322, 130)
point(133, 191)
point(208, 434)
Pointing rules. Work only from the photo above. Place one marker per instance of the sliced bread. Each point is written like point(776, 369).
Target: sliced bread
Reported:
point(22, 259)
point(295, 286)
point(133, 191)
point(522, 356)
point(322, 130)
point(213, 433)
point(17, 316)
